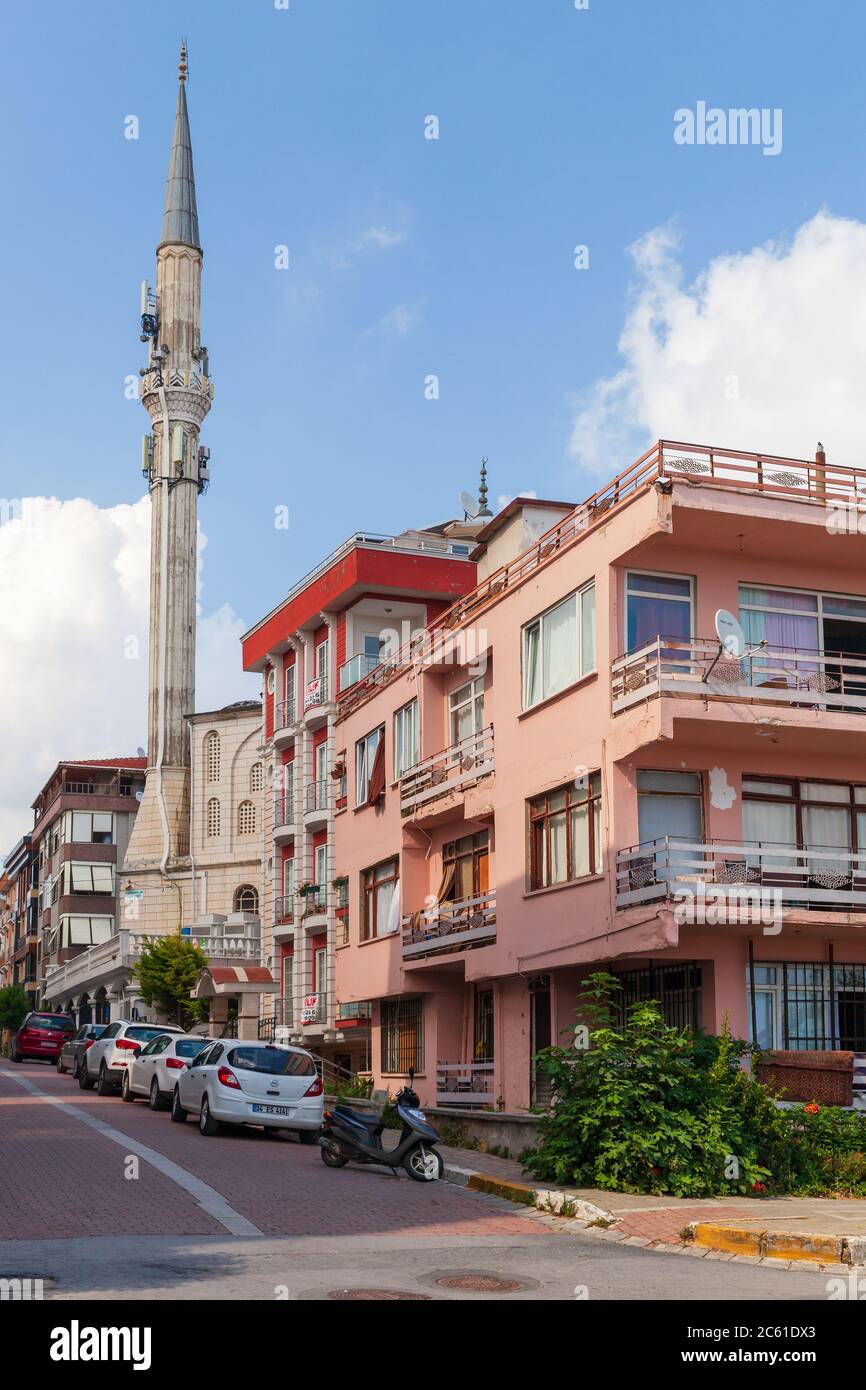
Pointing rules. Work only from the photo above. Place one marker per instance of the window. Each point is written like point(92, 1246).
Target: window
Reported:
point(406, 751)
point(272, 1061)
point(559, 647)
point(656, 605)
point(565, 833)
point(365, 752)
point(213, 818)
point(809, 815)
point(88, 827)
point(380, 908)
point(465, 868)
point(288, 880)
point(670, 804)
point(256, 777)
point(91, 878)
point(402, 1036)
point(246, 898)
point(808, 1005)
point(466, 710)
point(85, 931)
point(212, 756)
point(320, 860)
point(483, 1030)
point(246, 818)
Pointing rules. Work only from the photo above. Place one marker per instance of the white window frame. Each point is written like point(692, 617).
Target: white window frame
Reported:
point(87, 873)
point(65, 925)
point(406, 732)
point(581, 671)
point(471, 693)
point(69, 819)
point(365, 753)
point(320, 860)
point(288, 872)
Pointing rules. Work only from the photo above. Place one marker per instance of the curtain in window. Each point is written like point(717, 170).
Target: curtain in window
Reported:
point(388, 908)
point(558, 848)
point(560, 647)
point(376, 791)
point(649, 618)
point(580, 841)
point(826, 828)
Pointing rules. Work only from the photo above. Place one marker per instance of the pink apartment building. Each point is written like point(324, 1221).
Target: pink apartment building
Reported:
point(575, 777)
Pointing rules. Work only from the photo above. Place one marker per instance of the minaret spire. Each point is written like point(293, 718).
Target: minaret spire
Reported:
point(180, 214)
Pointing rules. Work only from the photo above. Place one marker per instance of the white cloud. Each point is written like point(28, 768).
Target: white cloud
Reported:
point(374, 238)
point(397, 322)
point(73, 630)
point(505, 497)
point(763, 352)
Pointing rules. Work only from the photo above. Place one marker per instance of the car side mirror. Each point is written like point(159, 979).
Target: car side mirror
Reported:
point(136, 1051)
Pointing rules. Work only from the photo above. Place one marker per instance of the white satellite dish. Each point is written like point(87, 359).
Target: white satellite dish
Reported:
point(469, 505)
point(730, 633)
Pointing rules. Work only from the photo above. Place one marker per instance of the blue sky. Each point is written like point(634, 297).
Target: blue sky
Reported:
point(408, 256)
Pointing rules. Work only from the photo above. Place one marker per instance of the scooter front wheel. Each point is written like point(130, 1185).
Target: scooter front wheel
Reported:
point(424, 1165)
point(331, 1156)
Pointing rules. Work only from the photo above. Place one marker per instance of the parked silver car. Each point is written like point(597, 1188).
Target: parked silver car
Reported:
point(251, 1083)
point(157, 1065)
point(104, 1064)
point(70, 1054)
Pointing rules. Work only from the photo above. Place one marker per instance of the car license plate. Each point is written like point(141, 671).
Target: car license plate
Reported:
point(47, 1044)
point(273, 1110)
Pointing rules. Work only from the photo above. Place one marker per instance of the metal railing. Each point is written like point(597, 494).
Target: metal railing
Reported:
point(341, 931)
point(284, 808)
point(450, 926)
point(284, 908)
point(318, 795)
point(803, 480)
point(754, 873)
point(769, 674)
point(356, 668)
point(463, 762)
point(310, 904)
point(464, 1083)
point(284, 713)
point(316, 692)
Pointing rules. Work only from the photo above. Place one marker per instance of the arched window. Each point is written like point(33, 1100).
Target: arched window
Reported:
point(213, 818)
point(212, 756)
point(246, 898)
point(256, 778)
point(246, 818)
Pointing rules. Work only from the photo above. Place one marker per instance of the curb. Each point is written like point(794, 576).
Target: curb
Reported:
point(710, 1240)
point(780, 1245)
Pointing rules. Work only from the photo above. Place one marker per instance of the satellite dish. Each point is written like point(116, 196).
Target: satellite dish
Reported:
point(730, 633)
point(469, 505)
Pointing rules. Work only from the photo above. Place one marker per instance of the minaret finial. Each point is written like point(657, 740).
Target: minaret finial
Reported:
point(483, 509)
point(182, 70)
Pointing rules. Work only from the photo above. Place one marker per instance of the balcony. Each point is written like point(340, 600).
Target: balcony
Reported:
point(317, 802)
point(355, 669)
point(462, 763)
point(284, 909)
point(755, 874)
point(123, 951)
point(284, 814)
point(313, 904)
point(450, 927)
point(770, 676)
point(341, 931)
point(359, 1011)
point(464, 1083)
point(316, 693)
point(285, 718)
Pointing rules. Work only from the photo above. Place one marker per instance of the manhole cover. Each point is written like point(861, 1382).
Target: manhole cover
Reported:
point(480, 1283)
point(361, 1295)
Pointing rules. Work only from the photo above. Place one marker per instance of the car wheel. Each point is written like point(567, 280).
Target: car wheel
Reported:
point(85, 1080)
point(16, 1057)
point(424, 1165)
point(156, 1101)
point(178, 1114)
point(206, 1122)
point(59, 1065)
point(308, 1136)
point(104, 1087)
point(126, 1089)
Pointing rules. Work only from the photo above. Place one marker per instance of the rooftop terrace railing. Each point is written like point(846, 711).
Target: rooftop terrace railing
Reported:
point(804, 480)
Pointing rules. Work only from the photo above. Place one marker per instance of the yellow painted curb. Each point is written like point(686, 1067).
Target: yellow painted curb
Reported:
point(780, 1245)
point(502, 1187)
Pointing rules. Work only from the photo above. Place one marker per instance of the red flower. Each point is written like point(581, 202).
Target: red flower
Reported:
point(758, 1187)
point(812, 1109)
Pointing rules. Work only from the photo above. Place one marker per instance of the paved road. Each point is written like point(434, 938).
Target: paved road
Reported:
point(113, 1201)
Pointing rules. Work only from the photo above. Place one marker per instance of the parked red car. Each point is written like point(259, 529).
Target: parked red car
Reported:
point(41, 1035)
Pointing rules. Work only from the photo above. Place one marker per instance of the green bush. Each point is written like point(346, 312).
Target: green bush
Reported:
point(651, 1108)
point(14, 1004)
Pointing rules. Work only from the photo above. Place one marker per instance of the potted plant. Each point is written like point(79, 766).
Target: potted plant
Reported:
point(338, 771)
point(307, 889)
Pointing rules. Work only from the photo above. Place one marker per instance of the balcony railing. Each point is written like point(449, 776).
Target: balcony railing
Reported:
point(464, 1083)
point(96, 788)
point(341, 931)
point(316, 692)
point(124, 949)
point(284, 808)
point(284, 713)
point(356, 668)
point(357, 1009)
point(318, 795)
point(450, 926)
point(309, 904)
point(463, 762)
point(285, 908)
point(769, 675)
point(753, 873)
point(800, 480)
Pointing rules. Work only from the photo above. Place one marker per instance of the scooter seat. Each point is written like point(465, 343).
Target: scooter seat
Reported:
point(361, 1117)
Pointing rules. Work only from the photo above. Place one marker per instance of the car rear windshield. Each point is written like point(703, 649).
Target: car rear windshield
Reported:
point(96, 1030)
point(53, 1023)
point(276, 1061)
point(190, 1047)
point(144, 1034)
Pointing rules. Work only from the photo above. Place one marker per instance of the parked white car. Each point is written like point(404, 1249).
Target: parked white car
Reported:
point(156, 1067)
point(251, 1083)
point(103, 1065)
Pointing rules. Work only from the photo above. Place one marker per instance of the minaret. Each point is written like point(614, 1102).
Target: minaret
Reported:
point(176, 392)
